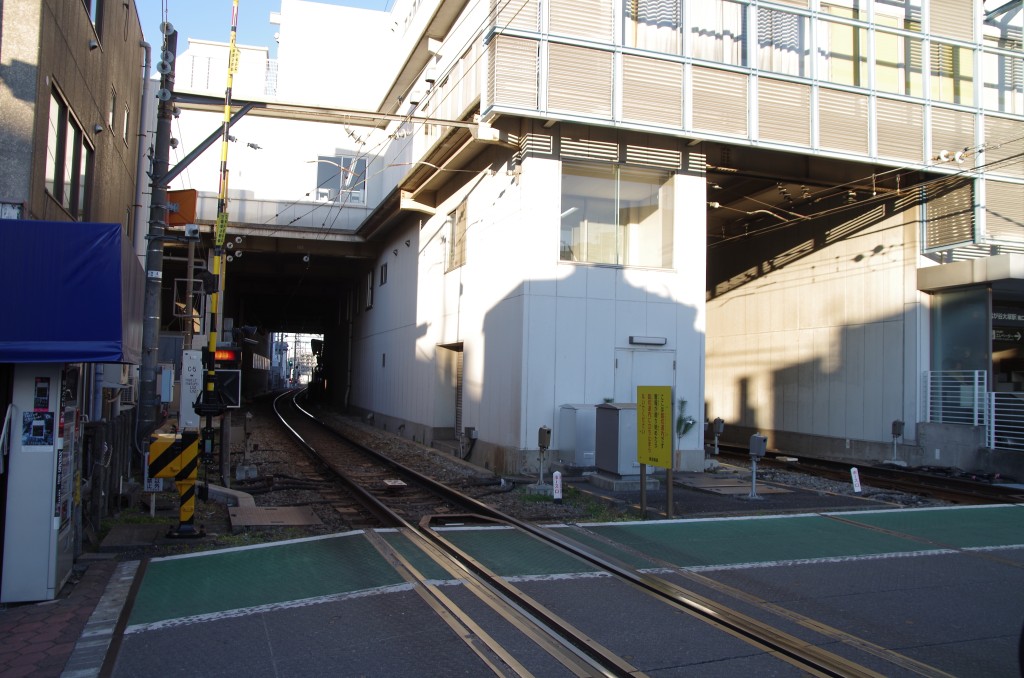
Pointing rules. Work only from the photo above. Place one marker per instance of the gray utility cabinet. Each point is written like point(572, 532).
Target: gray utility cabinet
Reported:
point(577, 428)
point(616, 439)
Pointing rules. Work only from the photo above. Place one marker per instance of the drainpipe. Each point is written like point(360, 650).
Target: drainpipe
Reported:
point(140, 167)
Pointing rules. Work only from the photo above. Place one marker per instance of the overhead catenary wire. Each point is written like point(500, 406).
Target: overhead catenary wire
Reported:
point(952, 177)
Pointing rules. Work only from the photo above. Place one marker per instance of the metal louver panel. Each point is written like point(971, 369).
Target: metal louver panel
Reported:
point(900, 129)
point(533, 144)
point(589, 149)
point(1004, 211)
point(522, 14)
point(1004, 147)
point(953, 18)
point(653, 157)
point(719, 101)
point(591, 19)
point(784, 111)
point(843, 121)
point(949, 214)
point(579, 80)
point(652, 91)
point(513, 72)
point(951, 130)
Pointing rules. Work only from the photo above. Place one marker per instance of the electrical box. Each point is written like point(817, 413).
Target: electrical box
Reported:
point(717, 426)
point(544, 438)
point(616, 439)
point(897, 429)
point(758, 445)
point(577, 426)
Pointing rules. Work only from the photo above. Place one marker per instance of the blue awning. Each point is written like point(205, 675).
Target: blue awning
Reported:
point(69, 292)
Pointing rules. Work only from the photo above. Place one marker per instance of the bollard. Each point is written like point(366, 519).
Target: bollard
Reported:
point(556, 482)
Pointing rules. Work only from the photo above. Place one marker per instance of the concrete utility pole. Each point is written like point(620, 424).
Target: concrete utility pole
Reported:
point(149, 401)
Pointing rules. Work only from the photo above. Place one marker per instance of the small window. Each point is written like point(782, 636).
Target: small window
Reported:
point(383, 274)
point(341, 179)
point(112, 115)
point(457, 238)
point(369, 290)
point(95, 9)
point(124, 121)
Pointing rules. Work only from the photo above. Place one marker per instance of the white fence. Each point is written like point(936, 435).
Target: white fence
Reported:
point(962, 397)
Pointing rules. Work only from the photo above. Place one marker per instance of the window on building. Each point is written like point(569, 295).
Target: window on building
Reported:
point(618, 215)
point(843, 53)
point(341, 179)
point(95, 9)
point(1002, 61)
point(898, 64)
point(69, 160)
point(952, 74)
point(457, 238)
point(112, 115)
point(383, 274)
point(653, 25)
point(905, 14)
point(369, 290)
point(718, 30)
point(783, 43)
point(124, 123)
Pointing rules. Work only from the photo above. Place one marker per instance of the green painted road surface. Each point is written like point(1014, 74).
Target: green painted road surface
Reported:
point(306, 570)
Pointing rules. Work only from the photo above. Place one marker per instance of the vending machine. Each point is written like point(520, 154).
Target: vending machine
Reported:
point(42, 492)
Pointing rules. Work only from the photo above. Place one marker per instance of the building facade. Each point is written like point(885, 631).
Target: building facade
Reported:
point(779, 209)
point(71, 101)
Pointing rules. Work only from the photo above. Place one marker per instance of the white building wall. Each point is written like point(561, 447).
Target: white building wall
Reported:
point(537, 333)
point(827, 345)
point(335, 55)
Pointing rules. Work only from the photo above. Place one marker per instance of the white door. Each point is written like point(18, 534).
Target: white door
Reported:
point(638, 367)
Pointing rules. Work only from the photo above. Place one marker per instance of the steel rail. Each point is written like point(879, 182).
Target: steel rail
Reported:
point(914, 482)
point(577, 652)
point(785, 646)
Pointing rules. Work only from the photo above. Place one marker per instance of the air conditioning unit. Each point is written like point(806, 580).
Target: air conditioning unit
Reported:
point(129, 391)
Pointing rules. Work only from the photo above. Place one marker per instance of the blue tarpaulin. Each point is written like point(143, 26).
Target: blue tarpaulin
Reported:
point(69, 292)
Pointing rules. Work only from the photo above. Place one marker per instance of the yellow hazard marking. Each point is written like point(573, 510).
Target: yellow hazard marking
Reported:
point(171, 455)
point(222, 229)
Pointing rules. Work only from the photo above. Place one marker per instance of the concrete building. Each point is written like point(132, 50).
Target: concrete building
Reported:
point(71, 104)
point(802, 216)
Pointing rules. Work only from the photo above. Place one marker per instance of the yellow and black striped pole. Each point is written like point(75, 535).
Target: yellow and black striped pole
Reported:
point(212, 401)
point(222, 199)
point(177, 457)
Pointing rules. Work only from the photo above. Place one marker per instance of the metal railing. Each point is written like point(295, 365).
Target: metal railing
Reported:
point(962, 397)
point(957, 397)
point(1006, 428)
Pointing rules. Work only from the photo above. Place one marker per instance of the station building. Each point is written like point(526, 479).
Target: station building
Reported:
point(803, 216)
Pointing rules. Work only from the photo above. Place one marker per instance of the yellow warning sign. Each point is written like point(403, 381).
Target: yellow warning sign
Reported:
point(654, 425)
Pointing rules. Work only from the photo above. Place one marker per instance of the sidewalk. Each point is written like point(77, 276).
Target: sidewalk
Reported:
point(39, 638)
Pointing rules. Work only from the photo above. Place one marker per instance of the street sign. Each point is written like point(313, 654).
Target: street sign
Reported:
point(654, 425)
point(191, 387)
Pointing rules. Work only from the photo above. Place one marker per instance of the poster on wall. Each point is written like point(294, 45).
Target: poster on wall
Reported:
point(37, 429)
point(41, 402)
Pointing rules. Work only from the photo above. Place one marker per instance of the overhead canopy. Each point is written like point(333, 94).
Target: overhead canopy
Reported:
point(69, 292)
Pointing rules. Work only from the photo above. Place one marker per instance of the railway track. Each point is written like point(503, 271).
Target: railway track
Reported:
point(945, 488)
point(420, 515)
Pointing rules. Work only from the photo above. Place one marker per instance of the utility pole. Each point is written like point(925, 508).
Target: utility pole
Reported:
point(149, 401)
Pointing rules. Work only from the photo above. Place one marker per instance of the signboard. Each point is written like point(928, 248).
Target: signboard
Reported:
point(1007, 334)
point(191, 387)
point(654, 425)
